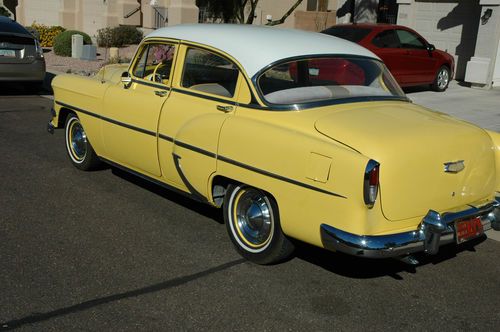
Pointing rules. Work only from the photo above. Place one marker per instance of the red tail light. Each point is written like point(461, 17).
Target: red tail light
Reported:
point(371, 183)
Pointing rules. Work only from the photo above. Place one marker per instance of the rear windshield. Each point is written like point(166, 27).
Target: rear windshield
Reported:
point(13, 27)
point(348, 33)
point(327, 78)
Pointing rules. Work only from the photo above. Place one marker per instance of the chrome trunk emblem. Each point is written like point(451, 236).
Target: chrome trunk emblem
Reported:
point(454, 166)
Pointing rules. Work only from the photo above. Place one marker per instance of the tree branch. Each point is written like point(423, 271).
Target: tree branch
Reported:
point(251, 15)
point(282, 19)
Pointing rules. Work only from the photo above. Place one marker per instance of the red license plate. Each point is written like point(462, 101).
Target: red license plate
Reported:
point(468, 229)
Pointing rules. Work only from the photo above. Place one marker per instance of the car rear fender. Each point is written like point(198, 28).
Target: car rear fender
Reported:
point(314, 179)
point(495, 137)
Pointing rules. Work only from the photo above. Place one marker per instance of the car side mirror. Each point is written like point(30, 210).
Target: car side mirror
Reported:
point(126, 79)
point(431, 47)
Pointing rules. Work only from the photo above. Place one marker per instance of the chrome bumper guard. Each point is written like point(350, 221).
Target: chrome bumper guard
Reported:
point(434, 231)
point(50, 126)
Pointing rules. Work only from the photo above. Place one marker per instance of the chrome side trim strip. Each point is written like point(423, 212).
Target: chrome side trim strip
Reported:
point(186, 182)
point(276, 176)
point(119, 123)
point(202, 151)
point(195, 149)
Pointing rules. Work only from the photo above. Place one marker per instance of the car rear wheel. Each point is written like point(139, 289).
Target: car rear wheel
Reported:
point(253, 224)
point(80, 151)
point(442, 79)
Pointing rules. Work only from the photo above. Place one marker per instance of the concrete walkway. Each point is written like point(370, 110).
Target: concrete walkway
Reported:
point(481, 107)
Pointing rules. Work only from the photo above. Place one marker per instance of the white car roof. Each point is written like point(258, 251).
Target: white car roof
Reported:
point(255, 46)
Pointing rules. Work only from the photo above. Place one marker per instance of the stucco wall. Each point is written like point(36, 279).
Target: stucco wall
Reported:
point(94, 18)
point(276, 8)
point(43, 12)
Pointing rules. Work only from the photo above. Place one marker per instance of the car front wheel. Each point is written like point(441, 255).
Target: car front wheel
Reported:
point(80, 151)
point(442, 79)
point(253, 224)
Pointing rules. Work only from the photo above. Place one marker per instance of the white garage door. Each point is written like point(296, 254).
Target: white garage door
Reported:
point(496, 72)
point(451, 26)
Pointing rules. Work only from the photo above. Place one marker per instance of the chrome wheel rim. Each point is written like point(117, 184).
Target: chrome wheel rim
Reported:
point(443, 78)
point(77, 140)
point(253, 218)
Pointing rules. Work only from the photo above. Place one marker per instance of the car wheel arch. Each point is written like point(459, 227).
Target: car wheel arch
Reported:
point(63, 115)
point(219, 184)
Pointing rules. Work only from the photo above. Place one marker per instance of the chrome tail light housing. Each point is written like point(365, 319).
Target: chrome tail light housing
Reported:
point(38, 49)
point(371, 183)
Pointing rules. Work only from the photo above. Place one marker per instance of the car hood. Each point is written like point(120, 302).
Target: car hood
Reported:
point(412, 144)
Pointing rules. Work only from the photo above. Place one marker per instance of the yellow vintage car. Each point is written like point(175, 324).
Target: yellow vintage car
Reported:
point(295, 135)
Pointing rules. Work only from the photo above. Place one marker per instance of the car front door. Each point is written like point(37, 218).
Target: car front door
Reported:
point(131, 112)
point(420, 64)
point(203, 96)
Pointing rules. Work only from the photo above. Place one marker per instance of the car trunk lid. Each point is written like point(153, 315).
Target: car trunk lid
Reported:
point(412, 145)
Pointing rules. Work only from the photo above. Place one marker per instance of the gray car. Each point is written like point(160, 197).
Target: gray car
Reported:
point(21, 56)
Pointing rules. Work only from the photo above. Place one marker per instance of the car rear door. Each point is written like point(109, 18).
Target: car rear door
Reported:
point(203, 96)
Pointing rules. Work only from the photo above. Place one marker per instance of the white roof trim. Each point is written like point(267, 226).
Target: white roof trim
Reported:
point(255, 47)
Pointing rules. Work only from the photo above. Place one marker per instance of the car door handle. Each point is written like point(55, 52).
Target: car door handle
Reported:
point(224, 109)
point(161, 93)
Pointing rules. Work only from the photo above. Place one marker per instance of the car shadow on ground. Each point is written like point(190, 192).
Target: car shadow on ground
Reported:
point(366, 268)
point(338, 263)
point(171, 195)
point(27, 89)
point(39, 317)
point(419, 88)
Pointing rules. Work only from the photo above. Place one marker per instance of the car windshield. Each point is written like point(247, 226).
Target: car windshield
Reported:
point(348, 33)
point(327, 78)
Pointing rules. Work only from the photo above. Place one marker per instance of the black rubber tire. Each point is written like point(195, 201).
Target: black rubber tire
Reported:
point(277, 248)
point(436, 86)
point(89, 161)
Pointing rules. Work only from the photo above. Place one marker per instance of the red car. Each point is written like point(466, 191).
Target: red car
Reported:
point(410, 58)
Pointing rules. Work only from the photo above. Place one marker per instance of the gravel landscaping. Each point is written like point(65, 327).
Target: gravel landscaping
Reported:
point(59, 64)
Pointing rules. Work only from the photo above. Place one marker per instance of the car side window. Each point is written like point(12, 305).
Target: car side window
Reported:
point(386, 39)
point(208, 72)
point(410, 40)
point(155, 62)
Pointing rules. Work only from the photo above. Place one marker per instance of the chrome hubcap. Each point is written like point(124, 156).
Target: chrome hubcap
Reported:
point(442, 79)
point(254, 217)
point(78, 141)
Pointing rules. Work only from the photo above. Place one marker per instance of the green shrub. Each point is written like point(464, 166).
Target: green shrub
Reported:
point(45, 34)
point(62, 43)
point(118, 36)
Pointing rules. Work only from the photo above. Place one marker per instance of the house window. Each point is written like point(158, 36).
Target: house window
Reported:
point(317, 5)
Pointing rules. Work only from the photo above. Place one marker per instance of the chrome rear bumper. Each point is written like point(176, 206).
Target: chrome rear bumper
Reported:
point(434, 231)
